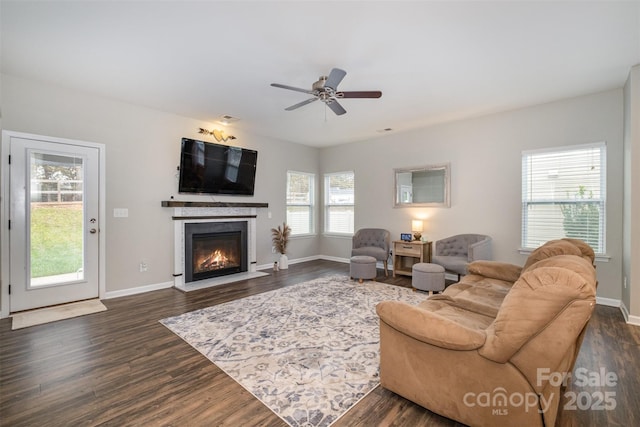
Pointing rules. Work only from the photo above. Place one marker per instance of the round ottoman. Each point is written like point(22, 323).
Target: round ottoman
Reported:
point(427, 277)
point(362, 267)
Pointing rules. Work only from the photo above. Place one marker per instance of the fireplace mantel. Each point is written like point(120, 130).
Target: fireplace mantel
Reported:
point(200, 212)
point(181, 204)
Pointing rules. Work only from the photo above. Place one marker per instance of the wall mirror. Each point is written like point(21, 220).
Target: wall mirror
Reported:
point(422, 186)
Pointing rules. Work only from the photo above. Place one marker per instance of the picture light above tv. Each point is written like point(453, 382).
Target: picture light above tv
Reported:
point(209, 168)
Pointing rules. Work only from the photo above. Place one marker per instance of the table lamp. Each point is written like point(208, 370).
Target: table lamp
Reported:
point(416, 227)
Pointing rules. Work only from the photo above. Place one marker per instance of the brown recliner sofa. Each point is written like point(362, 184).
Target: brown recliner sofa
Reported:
point(489, 349)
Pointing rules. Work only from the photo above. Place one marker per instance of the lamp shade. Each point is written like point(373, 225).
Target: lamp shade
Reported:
point(416, 225)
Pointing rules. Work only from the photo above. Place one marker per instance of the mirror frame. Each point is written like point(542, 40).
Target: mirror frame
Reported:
point(446, 203)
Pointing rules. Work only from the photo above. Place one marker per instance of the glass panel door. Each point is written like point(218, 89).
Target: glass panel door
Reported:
point(56, 219)
point(54, 238)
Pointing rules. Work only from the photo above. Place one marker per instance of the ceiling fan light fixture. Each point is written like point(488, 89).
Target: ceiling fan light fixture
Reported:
point(325, 90)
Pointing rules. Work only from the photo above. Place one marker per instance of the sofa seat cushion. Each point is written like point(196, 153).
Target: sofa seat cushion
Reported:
point(478, 294)
point(456, 264)
point(436, 323)
point(459, 315)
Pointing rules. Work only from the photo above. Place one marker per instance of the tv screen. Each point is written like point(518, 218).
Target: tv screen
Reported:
point(209, 168)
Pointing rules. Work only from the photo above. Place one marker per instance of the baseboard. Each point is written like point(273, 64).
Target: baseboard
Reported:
point(379, 264)
point(609, 302)
point(291, 261)
point(137, 290)
point(631, 320)
point(634, 320)
point(333, 258)
point(625, 311)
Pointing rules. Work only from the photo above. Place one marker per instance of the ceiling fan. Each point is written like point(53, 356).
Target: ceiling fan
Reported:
point(326, 90)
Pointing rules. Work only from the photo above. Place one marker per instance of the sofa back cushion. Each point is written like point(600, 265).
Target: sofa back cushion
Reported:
point(578, 264)
point(549, 249)
point(536, 299)
point(587, 251)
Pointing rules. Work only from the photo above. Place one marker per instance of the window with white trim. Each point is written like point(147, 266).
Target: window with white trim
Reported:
point(339, 201)
point(564, 195)
point(300, 202)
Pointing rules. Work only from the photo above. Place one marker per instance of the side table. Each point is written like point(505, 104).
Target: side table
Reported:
point(405, 254)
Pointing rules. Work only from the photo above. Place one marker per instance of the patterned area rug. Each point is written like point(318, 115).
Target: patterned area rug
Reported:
point(309, 352)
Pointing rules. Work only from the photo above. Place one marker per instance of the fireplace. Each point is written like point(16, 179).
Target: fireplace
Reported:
point(214, 249)
point(209, 218)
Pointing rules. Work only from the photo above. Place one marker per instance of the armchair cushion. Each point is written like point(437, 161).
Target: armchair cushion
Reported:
point(375, 242)
point(456, 252)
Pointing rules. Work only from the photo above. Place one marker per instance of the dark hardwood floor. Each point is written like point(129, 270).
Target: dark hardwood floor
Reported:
point(123, 368)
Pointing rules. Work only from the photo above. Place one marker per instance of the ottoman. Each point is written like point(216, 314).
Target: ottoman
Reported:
point(362, 267)
point(427, 277)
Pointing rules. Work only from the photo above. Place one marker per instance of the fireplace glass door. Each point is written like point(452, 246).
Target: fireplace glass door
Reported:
point(215, 249)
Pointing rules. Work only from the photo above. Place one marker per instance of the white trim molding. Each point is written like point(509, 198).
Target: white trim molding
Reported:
point(5, 146)
point(609, 302)
point(137, 290)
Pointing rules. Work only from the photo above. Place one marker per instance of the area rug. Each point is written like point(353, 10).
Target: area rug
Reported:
point(309, 352)
point(52, 314)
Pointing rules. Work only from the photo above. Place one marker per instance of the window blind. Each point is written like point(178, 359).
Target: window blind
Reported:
point(339, 190)
point(564, 195)
point(300, 202)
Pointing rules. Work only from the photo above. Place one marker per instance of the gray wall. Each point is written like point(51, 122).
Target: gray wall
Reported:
point(142, 153)
point(142, 147)
point(485, 157)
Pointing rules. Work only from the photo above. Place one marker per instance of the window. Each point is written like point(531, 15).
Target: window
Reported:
point(564, 195)
point(339, 202)
point(300, 202)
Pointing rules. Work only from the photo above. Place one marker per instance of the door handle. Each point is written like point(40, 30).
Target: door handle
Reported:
point(93, 231)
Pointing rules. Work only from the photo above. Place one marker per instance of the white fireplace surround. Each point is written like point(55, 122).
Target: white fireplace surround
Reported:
point(185, 215)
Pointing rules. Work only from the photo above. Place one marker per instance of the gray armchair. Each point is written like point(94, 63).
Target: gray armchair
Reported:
point(456, 252)
point(375, 242)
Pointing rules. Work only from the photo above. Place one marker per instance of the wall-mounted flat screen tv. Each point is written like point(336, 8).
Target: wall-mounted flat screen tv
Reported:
point(209, 168)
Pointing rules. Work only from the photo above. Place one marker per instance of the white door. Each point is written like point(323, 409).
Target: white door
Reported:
point(53, 213)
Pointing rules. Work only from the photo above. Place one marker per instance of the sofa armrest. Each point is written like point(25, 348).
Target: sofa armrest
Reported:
point(495, 270)
point(429, 327)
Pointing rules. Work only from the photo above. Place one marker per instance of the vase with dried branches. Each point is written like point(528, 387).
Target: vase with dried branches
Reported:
point(280, 239)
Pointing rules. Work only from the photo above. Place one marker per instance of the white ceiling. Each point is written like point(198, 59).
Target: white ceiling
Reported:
point(433, 61)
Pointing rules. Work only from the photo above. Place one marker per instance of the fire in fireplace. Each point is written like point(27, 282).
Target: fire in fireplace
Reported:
point(215, 249)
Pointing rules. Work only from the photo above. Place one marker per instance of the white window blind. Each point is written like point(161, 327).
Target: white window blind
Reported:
point(564, 195)
point(300, 202)
point(339, 191)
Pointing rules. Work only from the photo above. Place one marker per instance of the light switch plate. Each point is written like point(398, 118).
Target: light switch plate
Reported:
point(120, 212)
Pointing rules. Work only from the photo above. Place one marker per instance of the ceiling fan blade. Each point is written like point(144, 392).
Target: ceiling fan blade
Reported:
point(297, 89)
point(360, 94)
point(300, 104)
point(336, 108)
point(335, 77)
